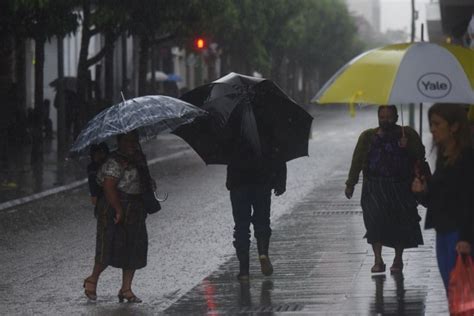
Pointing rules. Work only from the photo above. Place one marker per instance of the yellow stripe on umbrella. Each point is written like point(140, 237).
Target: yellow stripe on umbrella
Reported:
point(404, 73)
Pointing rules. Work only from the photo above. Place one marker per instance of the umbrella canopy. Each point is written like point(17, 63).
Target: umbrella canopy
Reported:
point(161, 76)
point(250, 107)
point(151, 115)
point(174, 77)
point(404, 73)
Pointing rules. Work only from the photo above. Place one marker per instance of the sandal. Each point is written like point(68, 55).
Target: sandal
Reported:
point(378, 268)
point(130, 298)
point(91, 294)
point(396, 267)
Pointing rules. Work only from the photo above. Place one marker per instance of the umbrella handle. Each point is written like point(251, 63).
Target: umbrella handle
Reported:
point(123, 98)
point(403, 125)
point(352, 101)
point(160, 199)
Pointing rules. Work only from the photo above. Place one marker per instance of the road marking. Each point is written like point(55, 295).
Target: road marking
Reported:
point(40, 195)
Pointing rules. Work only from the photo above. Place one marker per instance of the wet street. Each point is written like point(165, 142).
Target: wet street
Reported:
point(322, 263)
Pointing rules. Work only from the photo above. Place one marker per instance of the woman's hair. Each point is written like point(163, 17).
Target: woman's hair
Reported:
point(134, 132)
point(390, 107)
point(453, 113)
point(98, 147)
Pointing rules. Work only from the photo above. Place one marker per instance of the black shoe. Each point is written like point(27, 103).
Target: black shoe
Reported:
point(130, 297)
point(243, 276)
point(243, 266)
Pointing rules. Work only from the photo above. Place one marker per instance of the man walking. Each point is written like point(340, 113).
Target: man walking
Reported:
point(252, 173)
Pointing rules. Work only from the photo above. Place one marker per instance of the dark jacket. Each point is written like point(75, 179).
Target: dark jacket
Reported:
point(415, 148)
point(246, 167)
point(450, 197)
point(270, 174)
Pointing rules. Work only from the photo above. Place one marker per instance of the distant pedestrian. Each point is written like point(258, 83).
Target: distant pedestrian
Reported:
point(98, 154)
point(250, 180)
point(122, 240)
point(449, 193)
point(71, 113)
point(387, 156)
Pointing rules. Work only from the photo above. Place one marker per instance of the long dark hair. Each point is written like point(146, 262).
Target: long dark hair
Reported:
point(453, 113)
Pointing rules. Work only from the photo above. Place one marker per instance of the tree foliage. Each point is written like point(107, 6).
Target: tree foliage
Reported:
point(277, 37)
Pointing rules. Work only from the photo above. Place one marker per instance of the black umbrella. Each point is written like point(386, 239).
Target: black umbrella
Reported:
point(255, 109)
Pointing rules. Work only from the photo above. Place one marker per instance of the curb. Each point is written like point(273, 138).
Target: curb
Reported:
point(75, 184)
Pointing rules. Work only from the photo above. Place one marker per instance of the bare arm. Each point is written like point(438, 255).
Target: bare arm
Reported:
point(111, 194)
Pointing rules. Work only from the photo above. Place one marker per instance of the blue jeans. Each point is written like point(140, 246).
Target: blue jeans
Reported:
point(243, 199)
point(446, 254)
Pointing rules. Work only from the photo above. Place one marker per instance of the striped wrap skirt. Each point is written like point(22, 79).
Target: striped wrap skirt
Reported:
point(123, 245)
point(390, 213)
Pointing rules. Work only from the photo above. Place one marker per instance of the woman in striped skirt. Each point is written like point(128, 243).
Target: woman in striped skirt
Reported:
point(387, 156)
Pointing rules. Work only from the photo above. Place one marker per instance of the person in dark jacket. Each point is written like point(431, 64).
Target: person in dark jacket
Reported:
point(449, 193)
point(387, 156)
point(251, 177)
point(98, 154)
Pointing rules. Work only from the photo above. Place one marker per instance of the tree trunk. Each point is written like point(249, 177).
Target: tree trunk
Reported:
point(153, 86)
point(143, 64)
point(276, 68)
point(37, 140)
point(6, 76)
point(6, 71)
point(20, 70)
point(82, 75)
point(61, 117)
point(109, 70)
point(125, 81)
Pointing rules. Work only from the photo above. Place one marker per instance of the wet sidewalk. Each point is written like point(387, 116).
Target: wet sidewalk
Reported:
point(322, 267)
point(21, 181)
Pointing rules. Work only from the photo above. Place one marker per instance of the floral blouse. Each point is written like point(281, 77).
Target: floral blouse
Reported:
point(129, 181)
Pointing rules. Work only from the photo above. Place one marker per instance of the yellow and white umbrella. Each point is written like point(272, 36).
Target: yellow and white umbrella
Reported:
point(404, 73)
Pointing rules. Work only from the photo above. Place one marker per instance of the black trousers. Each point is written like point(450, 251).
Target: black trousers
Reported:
point(243, 200)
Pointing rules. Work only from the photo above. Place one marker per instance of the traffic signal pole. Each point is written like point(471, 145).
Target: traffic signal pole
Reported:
point(200, 45)
point(411, 107)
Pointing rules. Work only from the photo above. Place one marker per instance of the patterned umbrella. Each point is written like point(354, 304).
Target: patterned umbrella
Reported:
point(151, 115)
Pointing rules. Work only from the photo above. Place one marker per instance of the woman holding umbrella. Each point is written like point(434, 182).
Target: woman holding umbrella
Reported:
point(122, 240)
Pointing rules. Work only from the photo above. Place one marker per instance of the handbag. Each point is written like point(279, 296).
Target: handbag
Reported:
point(150, 203)
point(461, 287)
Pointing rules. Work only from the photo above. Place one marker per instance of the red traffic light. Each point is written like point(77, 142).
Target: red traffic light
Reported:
point(200, 43)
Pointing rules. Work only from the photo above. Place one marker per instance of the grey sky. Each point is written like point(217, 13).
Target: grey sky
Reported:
point(396, 14)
